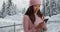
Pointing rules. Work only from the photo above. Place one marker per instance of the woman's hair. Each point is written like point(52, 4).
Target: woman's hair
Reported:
point(30, 13)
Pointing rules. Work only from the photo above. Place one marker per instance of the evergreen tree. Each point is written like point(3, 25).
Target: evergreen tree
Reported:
point(3, 10)
point(9, 5)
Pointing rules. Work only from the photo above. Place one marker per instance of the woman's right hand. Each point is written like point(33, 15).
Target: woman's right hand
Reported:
point(40, 26)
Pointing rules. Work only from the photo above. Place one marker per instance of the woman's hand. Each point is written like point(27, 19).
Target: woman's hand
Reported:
point(40, 26)
point(43, 17)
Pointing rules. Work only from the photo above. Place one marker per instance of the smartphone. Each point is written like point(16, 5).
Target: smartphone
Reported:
point(45, 20)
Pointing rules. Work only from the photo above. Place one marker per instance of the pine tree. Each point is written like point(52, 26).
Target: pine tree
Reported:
point(8, 8)
point(58, 7)
point(3, 10)
point(11, 9)
point(23, 11)
point(9, 5)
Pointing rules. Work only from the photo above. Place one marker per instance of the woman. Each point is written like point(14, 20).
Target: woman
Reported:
point(33, 18)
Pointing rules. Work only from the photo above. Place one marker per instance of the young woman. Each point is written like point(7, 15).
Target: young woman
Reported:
point(33, 18)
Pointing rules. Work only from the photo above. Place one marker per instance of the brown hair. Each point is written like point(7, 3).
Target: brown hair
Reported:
point(30, 13)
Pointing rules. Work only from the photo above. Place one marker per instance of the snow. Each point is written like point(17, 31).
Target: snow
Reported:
point(5, 22)
point(53, 23)
point(54, 17)
point(16, 18)
point(10, 20)
point(53, 27)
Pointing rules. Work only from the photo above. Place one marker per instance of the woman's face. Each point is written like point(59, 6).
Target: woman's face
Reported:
point(36, 8)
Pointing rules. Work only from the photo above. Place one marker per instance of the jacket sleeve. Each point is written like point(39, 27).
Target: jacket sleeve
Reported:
point(26, 24)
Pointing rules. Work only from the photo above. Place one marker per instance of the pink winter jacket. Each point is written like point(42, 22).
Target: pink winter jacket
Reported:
point(29, 26)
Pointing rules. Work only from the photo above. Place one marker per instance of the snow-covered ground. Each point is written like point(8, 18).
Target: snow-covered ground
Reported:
point(53, 23)
point(10, 20)
point(55, 18)
point(53, 27)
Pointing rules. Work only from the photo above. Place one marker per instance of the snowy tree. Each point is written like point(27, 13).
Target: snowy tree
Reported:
point(23, 11)
point(8, 8)
point(53, 7)
point(11, 8)
point(46, 7)
point(43, 10)
point(58, 6)
point(9, 5)
point(3, 10)
point(50, 7)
